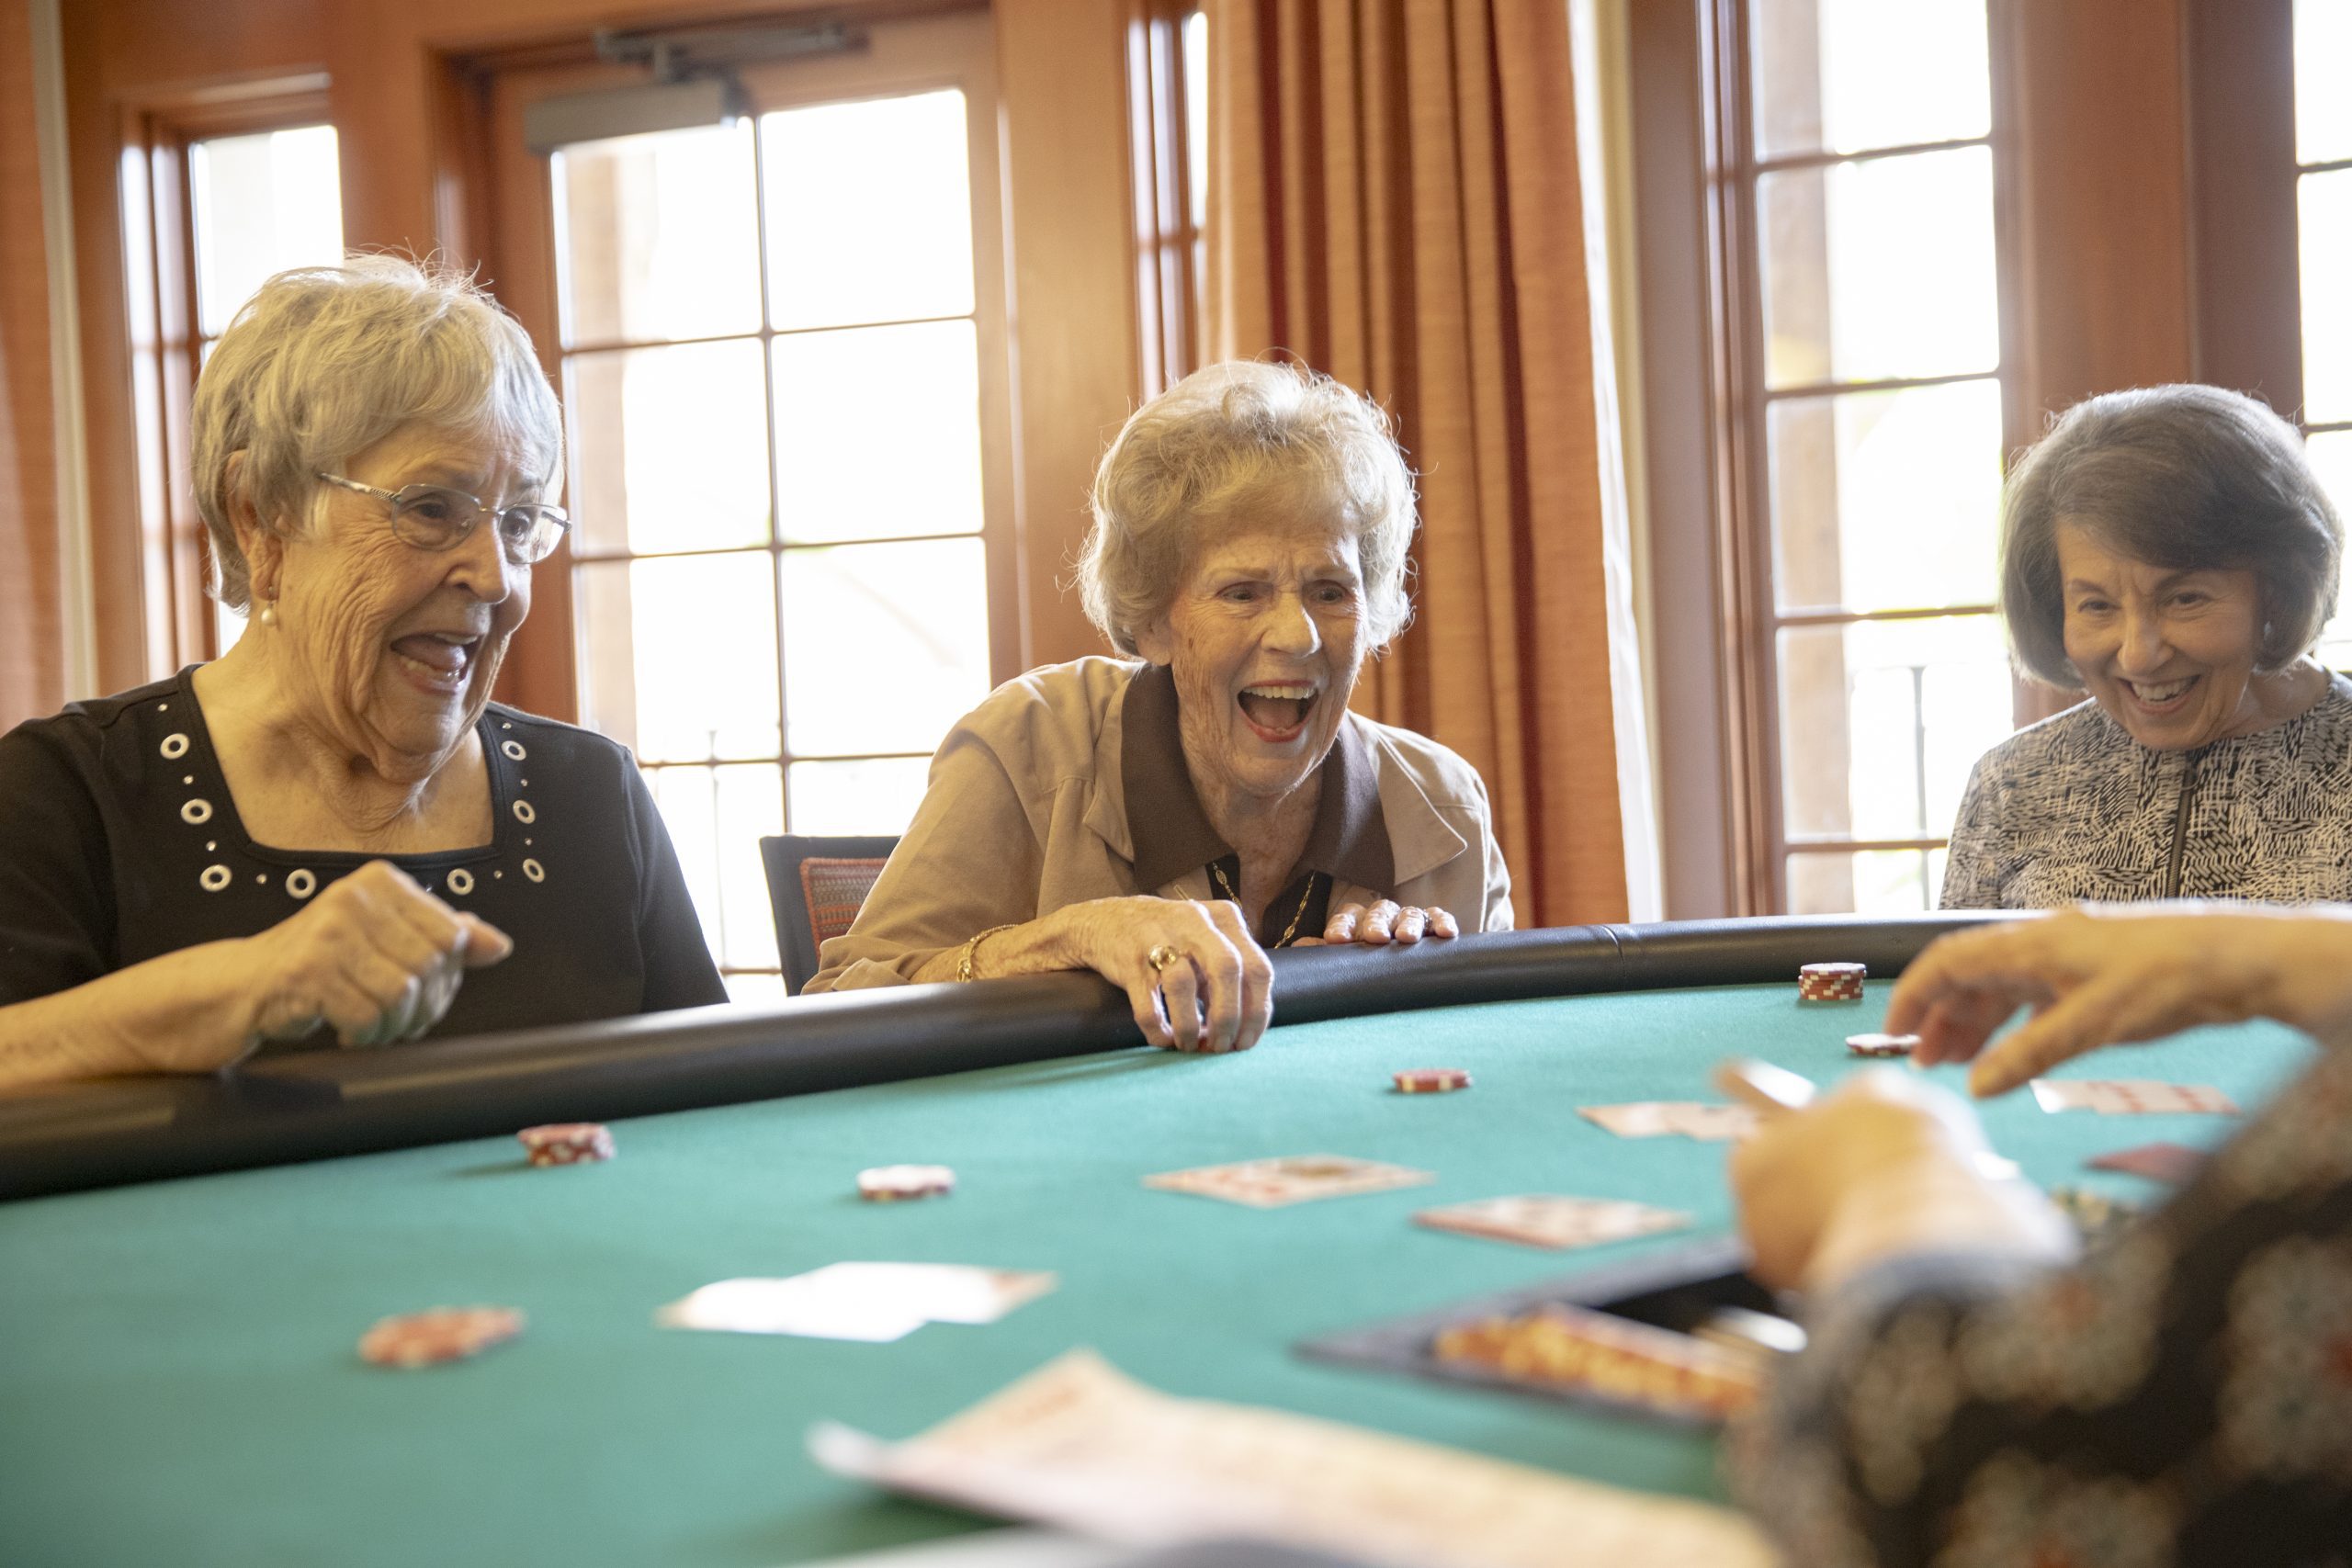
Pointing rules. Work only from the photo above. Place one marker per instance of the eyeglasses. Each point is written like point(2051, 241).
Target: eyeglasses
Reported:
point(434, 517)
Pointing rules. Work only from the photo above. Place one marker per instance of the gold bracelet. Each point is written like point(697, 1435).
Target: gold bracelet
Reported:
point(964, 963)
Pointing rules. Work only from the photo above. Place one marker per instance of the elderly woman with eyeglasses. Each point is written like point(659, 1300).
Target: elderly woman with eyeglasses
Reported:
point(1165, 818)
point(330, 828)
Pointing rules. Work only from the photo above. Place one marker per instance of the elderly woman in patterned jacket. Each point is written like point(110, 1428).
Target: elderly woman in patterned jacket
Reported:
point(2170, 551)
point(1164, 817)
point(330, 827)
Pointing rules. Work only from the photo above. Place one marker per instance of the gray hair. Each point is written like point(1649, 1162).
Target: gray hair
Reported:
point(2186, 478)
point(323, 362)
point(1209, 448)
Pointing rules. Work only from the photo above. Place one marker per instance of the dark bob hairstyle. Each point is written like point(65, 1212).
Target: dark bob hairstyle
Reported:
point(2186, 478)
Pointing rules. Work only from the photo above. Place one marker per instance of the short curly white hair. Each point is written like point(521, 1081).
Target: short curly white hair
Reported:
point(323, 362)
point(1210, 450)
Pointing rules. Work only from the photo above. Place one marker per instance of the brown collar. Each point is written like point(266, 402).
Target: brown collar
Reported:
point(1172, 835)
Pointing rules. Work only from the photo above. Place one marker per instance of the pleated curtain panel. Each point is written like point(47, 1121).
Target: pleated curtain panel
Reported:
point(1405, 195)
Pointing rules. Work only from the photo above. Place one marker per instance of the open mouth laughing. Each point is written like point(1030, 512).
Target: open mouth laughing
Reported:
point(2159, 696)
point(441, 660)
point(1276, 711)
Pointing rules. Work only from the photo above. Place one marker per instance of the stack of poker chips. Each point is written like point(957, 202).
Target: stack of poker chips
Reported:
point(1831, 982)
point(566, 1143)
point(1431, 1080)
point(1882, 1044)
point(443, 1333)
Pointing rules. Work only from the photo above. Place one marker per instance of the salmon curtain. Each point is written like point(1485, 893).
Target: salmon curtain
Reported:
point(1405, 195)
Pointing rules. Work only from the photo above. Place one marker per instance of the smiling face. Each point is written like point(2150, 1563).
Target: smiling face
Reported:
point(1264, 639)
point(2169, 654)
point(389, 649)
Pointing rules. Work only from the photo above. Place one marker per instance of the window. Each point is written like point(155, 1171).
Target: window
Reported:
point(2323, 189)
point(1862, 174)
point(780, 344)
point(218, 191)
point(1168, 77)
point(258, 203)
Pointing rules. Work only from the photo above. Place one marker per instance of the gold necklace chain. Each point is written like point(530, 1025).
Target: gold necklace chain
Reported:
point(1297, 915)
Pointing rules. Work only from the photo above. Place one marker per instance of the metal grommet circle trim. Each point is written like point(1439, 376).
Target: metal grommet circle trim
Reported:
point(524, 813)
point(196, 812)
point(215, 877)
point(513, 749)
point(174, 747)
point(461, 882)
point(535, 871)
point(301, 883)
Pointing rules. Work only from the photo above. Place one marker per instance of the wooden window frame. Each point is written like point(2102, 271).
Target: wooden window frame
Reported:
point(1170, 332)
point(165, 336)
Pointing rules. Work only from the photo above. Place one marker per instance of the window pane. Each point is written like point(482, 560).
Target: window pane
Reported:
point(886, 645)
point(260, 205)
point(1876, 882)
point(1881, 722)
point(1880, 269)
point(853, 407)
point(1885, 500)
point(758, 991)
point(657, 237)
point(677, 657)
point(1844, 75)
point(869, 211)
point(2323, 108)
point(669, 448)
point(2327, 302)
point(875, 796)
point(716, 817)
point(2331, 457)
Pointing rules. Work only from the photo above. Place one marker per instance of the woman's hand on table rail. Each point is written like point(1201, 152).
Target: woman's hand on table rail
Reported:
point(1382, 924)
point(2116, 974)
point(1196, 978)
point(374, 955)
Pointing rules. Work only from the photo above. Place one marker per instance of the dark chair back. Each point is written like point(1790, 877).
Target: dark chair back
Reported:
point(817, 885)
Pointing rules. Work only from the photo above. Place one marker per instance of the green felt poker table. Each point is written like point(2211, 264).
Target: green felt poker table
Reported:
point(185, 1266)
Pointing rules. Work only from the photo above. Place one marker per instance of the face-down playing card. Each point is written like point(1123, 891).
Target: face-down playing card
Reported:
point(1551, 1220)
point(1290, 1179)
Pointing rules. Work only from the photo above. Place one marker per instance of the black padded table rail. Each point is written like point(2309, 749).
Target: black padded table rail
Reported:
point(316, 1104)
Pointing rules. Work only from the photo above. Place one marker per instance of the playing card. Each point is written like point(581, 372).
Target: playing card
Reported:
point(1291, 1178)
point(2173, 1163)
point(2131, 1096)
point(871, 1301)
point(1713, 1124)
point(1543, 1219)
point(1663, 1118)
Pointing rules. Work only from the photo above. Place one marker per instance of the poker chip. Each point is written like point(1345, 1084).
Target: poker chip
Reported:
point(896, 1184)
point(1831, 982)
point(567, 1143)
point(443, 1333)
point(1882, 1044)
point(1431, 1080)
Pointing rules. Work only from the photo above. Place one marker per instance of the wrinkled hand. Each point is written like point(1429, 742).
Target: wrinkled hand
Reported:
point(373, 955)
point(1884, 1164)
point(1217, 994)
point(2118, 973)
point(1384, 923)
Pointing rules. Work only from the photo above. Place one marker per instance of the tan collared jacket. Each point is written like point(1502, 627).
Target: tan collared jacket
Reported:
point(1070, 783)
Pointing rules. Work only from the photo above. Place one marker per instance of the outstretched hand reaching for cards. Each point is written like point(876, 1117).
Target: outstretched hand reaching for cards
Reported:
point(2119, 973)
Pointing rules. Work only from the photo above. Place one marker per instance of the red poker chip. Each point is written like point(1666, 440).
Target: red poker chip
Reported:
point(443, 1333)
point(896, 1184)
point(566, 1143)
point(1431, 1080)
point(1882, 1044)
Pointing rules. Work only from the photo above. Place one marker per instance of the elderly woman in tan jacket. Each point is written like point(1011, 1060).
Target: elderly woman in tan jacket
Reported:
point(1165, 818)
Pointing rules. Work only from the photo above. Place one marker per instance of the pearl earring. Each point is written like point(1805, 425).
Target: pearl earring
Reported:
point(269, 612)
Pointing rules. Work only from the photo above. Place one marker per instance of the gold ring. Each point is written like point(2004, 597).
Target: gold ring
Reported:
point(1160, 957)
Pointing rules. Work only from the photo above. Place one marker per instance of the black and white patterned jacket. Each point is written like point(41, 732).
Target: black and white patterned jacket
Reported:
point(2074, 808)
